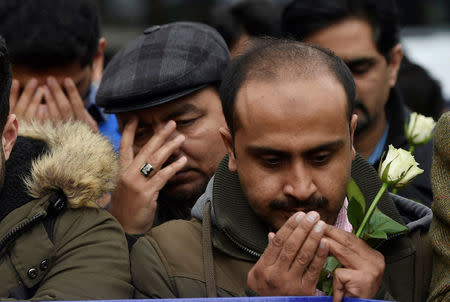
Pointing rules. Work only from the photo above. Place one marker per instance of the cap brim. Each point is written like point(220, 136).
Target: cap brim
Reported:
point(142, 102)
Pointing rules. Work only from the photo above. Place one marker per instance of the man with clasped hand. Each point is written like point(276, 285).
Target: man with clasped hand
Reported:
point(277, 206)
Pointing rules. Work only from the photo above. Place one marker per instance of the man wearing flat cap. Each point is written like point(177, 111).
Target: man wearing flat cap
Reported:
point(163, 88)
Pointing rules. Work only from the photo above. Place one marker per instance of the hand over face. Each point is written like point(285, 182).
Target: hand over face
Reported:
point(293, 260)
point(363, 267)
point(49, 102)
point(134, 201)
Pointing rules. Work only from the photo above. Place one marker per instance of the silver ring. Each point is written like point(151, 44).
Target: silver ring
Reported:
point(146, 169)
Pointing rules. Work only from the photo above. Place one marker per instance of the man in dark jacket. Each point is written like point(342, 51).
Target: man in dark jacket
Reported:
point(55, 243)
point(277, 204)
point(365, 34)
point(163, 88)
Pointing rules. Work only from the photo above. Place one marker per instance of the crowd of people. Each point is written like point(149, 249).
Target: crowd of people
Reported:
point(214, 160)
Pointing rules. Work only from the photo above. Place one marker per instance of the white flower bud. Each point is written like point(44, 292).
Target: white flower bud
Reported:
point(419, 129)
point(399, 168)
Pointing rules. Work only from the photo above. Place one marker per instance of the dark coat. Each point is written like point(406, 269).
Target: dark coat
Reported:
point(397, 115)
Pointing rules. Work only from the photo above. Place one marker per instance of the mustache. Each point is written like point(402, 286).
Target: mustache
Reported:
point(293, 203)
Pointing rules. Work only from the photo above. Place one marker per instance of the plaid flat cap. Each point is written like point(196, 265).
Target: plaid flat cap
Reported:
point(163, 64)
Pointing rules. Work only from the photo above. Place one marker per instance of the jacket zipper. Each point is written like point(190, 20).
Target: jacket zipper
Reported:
point(245, 249)
point(18, 229)
point(382, 242)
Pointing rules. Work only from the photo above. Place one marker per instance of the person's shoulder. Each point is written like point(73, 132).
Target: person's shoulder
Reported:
point(175, 237)
point(87, 219)
point(170, 251)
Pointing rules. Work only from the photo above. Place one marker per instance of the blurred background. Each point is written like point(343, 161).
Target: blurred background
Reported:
point(425, 23)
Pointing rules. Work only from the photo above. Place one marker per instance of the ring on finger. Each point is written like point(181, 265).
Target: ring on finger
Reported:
point(146, 169)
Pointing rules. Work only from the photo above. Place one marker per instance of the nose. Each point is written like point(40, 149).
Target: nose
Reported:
point(176, 154)
point(299, 182)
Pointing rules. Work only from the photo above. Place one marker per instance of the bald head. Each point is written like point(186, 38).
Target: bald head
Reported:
point(282, 60)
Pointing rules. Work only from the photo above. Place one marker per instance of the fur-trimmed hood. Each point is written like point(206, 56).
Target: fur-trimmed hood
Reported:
point(77, 161)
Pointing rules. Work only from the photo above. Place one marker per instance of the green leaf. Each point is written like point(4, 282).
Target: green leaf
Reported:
point(356, 204)
point(377, 234)
point(325, 283)
point(331, 264)
point(353, 192)
point(382, 223)
point(355, 213)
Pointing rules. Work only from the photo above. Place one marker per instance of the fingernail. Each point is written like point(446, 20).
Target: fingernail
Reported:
point(323, 243)
point(319, 226)
point(169, 124)
point(33, 82)
point(312, 216)
point(68, 81)
point(271, 235)
point(183, 159)
point(15, 83)
point(299, 216)
point(51, 80)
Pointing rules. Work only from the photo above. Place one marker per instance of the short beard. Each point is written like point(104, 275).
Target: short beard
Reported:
point(365, 121)
point(182, 199)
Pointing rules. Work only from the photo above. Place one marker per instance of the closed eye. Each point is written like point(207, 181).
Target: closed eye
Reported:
point(320, 159)
point(185, 122)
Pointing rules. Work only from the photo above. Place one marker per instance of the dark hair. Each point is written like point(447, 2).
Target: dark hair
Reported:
point(270, 58)
point(302, 18)
point(49, 33)
point(5, 84)
point(253, 17)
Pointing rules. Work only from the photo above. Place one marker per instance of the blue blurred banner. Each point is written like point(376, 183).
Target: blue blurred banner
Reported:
point(251, 299)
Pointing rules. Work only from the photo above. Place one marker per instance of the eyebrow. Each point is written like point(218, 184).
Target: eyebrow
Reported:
point(327, 146)
point(262, 150)
point(183, 109)
point(359, 61)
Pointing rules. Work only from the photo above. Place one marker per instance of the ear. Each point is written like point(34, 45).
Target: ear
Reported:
point(395, 59)
point(9, 135)
point(228, 141)
point(353, 123)
point(98, 61)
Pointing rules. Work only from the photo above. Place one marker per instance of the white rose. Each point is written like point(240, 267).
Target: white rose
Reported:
point(399, 168)
point(419, 129)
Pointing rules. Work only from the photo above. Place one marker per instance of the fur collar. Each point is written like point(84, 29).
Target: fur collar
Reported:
point(78, 162)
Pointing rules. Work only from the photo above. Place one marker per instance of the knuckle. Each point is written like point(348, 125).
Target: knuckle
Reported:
point(291, 224)
point(272, 280)
point(290, 248)
point(277, 241)
point(303, 259)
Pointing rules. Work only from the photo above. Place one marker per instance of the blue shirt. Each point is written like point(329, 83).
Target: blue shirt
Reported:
point(379, 148)
point(107, 123)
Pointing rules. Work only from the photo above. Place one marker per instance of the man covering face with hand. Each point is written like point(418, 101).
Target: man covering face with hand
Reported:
point(57, 61)
point(163, 88)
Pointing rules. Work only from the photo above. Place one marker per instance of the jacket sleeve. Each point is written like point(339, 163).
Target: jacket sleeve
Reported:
point(91, 259)
point(149, 274)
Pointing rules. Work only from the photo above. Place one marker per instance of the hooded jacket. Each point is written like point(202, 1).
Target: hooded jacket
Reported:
point(55, 243)
point(174, 256)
